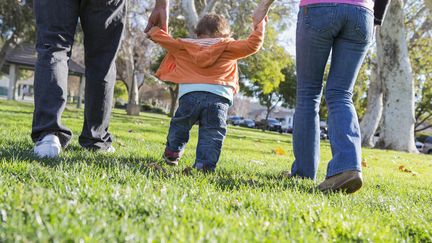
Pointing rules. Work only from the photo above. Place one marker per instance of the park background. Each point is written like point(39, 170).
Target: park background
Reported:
point(132, 196)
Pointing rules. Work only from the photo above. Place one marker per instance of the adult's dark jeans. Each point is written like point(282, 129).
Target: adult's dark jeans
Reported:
point(211, 111)
point(102, 22)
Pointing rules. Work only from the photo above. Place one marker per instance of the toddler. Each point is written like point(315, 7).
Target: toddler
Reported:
point(207, 73)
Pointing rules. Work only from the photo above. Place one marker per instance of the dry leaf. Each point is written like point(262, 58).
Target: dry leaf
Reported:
point(187, 171)
point(364, 164)
point(279, 151)
point(402, 168)
point(156, 167)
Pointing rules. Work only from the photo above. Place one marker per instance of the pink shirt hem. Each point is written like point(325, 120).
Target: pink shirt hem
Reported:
point(364, 3)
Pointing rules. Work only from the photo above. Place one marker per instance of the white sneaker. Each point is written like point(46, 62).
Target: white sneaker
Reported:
point(110, 150)
point(48, 147)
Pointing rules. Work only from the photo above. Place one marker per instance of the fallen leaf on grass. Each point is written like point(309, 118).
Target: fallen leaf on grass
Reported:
point(364, 164)
point(130, 131)
point(121, 144)
point(187, 171)
point(279, 151)
point(156, 167)
point(402, 168)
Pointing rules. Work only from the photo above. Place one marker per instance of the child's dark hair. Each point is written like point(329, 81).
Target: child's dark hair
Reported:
point(213, 26)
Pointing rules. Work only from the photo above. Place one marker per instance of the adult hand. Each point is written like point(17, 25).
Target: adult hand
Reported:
point(159, 16)
point(261, 11)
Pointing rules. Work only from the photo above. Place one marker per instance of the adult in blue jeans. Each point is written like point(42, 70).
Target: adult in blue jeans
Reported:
point(102, 22)
point(344, 29)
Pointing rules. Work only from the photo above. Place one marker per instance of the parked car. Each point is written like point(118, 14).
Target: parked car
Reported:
point(235, 120)
point(323, 133)
point(427, 146)
point(286, 124)
point(419, 145)
point(271, 125)
point(248, 123)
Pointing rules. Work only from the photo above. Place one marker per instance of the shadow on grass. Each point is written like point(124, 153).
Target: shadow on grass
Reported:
point(16, 152)
point(230, 181)
point(9, 112)
point(225, 180)
point(258, 139)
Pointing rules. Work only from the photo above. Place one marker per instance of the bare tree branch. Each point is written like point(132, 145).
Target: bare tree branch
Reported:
point(424, 120)
point(424, 128)
point(209, 7)
point(426, 25)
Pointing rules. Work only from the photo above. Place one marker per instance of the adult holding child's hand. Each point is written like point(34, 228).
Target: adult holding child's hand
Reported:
point(159, 16)
point(261, 12)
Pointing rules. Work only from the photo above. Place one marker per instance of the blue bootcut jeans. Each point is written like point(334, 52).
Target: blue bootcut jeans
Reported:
point(346, 32)
point(210, 111)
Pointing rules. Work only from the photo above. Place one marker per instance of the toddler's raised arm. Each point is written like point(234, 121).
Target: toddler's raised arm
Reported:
point(162, 38)
point(244, 48)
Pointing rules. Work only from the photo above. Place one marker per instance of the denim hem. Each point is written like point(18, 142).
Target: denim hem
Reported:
point(174, 150)
point(203, 166)
point(339, 171)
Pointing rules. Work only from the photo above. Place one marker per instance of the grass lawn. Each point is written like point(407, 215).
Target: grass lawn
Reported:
point(132, 196)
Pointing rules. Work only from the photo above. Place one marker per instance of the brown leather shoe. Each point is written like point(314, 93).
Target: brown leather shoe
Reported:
point(348, 182)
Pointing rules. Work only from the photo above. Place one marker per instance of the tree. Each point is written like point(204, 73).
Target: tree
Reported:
point(397, 130)
point(288, 87)
point(422, 69)
point(418, 25)
point(135, 55)
point(267, 74)
point(16, 25)
point(372, 117)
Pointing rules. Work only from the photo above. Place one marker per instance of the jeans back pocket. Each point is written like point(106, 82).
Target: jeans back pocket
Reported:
point(217, 115)
point(365, 24)
point(319, 17)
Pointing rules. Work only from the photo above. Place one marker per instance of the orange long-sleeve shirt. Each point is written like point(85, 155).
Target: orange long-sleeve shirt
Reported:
point(190, 61)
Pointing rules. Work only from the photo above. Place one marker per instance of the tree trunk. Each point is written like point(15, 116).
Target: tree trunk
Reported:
point(133, 107)
point(81, 91)
point(397, 131)
point(7, 47)
point(268, 111)
point(371, 119)
point(174, 92)
point(190, 11)
point(192, 16)
point(13, 78)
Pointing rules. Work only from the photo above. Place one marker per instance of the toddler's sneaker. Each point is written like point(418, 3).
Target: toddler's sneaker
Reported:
point(172, 158)
point(48, 147)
